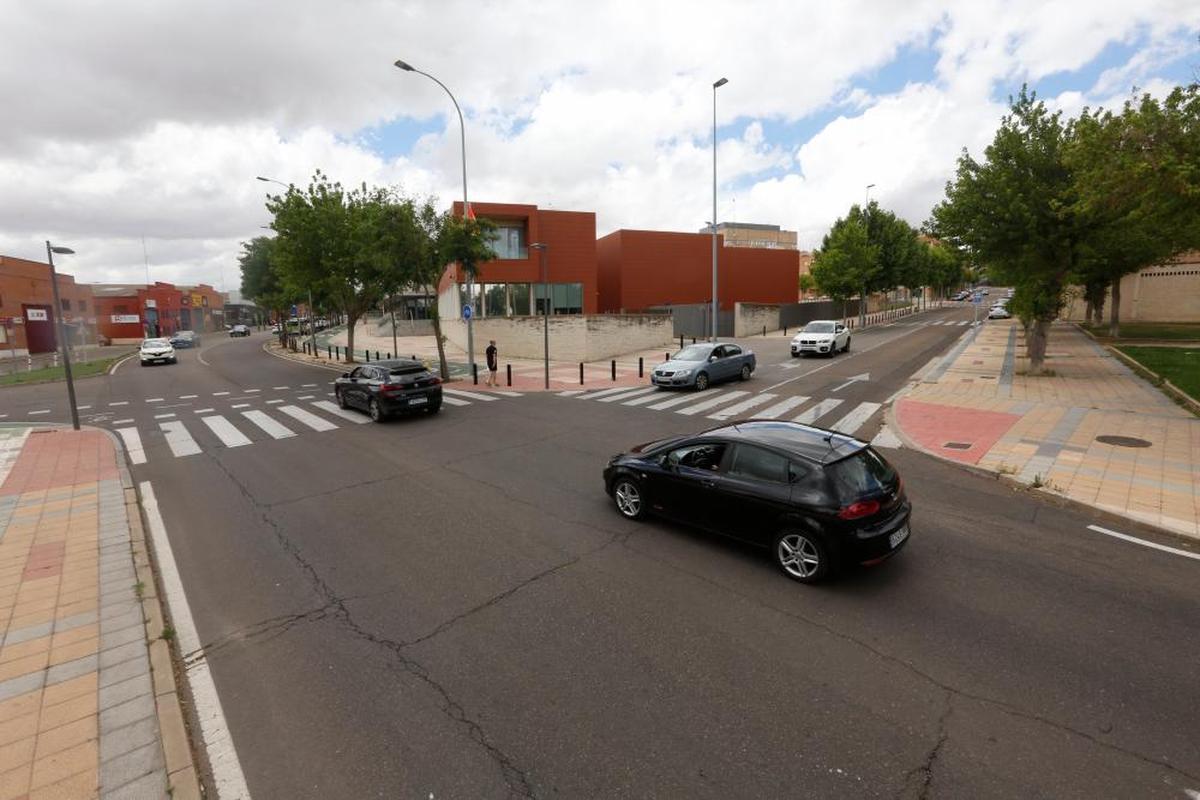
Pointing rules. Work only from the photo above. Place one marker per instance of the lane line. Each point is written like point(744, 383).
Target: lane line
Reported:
point(133, 444)
point(218, 742)
point(686, 397)
point(240, 405)
point(165, 416)
point(487, 398)
point(819, 410)
point(738, 408)
point(278, 388)
point(332, 408)
point(188, 396)
point(306, 397)
point(203, 411)
point(223, 428)
point(154, 400)
point(713, 403)
point(122, 421)
point(276, 430)
point(220, 394)
point(781, 408)
point(856, 418)
point(178, 439)
point(308, 385)
point(276, 401)
point(39, 411)
point(83, 408)
point(251, 391)
point(454, 401)
point(119, 403)
point(1173, 550)
point(509, 394)
point(308, 418)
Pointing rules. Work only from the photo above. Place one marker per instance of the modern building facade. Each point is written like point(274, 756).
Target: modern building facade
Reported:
point(752, 234)
point(28, 317)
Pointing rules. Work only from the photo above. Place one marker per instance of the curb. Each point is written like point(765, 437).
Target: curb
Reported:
point(298, 358)
point(183, 779)
point(1172, 391)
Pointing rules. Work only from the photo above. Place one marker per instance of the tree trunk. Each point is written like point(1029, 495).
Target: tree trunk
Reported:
point(351, 320)
point(1036, 336)
point(436, 319)
point(1114, 314)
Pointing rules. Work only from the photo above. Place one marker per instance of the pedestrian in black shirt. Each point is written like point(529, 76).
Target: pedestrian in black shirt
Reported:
point(492, 362)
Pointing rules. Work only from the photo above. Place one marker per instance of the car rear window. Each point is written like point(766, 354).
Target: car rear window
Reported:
point(861, 475)
point(415, 370)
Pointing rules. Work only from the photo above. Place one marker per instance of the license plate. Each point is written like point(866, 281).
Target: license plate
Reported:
point(416, 401)
point(898, 536)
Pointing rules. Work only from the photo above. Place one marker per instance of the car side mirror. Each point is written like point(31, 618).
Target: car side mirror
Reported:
point(712, 359)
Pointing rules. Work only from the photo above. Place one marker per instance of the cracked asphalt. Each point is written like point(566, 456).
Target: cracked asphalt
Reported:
point(449, 607)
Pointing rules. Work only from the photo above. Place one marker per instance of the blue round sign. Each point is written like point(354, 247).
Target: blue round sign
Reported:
point(467, 311)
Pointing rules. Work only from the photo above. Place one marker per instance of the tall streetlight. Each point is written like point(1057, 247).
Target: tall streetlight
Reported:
point(312, 326)
point(404, 65)
point(716, 86)
point(541, 248)
point(62, 329)
point(862, 301)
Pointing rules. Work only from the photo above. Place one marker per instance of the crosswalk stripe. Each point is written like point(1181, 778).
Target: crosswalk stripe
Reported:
point(223, 428)
point(650, 398)
point(274, 402)
point(819, 410)
point(685, 396)
point(570, 392)
point(780, 408)
point(276, 430)
point(936, 322)
point(605, 392)
point(133, 444)
point(178, 439)
point(964, 322)
point(454, 401)
point(204, 410)
point(277, 388)
point(509, 394)
point(713, 403)
point(308, 418)
point(468, 395)
point(188, 396)
point(612, 398)
point(332, 408)
point(856, 418)
point(738, 408)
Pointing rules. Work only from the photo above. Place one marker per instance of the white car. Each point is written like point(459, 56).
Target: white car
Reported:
point(821, 336)
point(999, 312)
point(156, 350)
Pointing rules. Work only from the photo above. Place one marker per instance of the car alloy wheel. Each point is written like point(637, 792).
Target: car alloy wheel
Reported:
point(374, 410)
point(628, 496)
point(701, 382)
point(341, 399)
point(801, 556)
point(745, 372)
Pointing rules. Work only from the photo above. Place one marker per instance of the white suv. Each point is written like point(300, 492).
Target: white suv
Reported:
point(821, 336)
point(153, 350)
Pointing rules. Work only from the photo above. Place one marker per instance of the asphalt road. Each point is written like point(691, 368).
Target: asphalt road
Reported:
point(450, 607)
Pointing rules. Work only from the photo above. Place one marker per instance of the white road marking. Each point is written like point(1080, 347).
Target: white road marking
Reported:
point(454, 401)
point(605, 392)
point(83, 408)
point(1135, 540)
point(165, 416)
point(937, 322)
point(133, 444)
point(469, 395)
point(856, 418)
point(204, 411)
point(745, 405)
point(251, 391)
point(39, 411)
point(223, 428)
point(885, 438)
point(178, 439)
point(275, 430)
point(570, 392)
point(713, 403)
point(220, 394)
point(122, 421)
point(240, 405)
point(154, 400)
point(276, 401)
point(353, 416)
point(188, 396)
point(509, 394)
point(218, 743)
point(685, 396)
point(119, 403)
point(650, 398)
point(634, 392)
point(278, 388)
point(780, 408)
point(819, 410)
point(866, 376)
point(308, 385)
point(308, 418)
point(306, 397)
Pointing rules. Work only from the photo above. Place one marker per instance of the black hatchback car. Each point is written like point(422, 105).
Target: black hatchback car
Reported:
point(384, 388)
point(816, 498)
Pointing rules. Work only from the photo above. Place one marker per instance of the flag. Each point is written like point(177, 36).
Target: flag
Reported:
point(470, 212)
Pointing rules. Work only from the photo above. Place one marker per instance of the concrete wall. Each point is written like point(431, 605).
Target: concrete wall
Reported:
point(751, 318)
point(577, 337)
point(1170, 293)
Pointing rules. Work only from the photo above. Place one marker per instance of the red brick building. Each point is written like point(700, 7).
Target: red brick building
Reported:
point(28, 317)
point(129, 312)
point(638, 270)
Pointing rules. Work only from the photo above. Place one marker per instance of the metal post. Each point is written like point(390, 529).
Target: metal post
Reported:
point(312, 324)
point(614, 369)
point(716, 86)
point(639, 366)
point(541, 248)
point(62, 333)
point(581, 373)
point(395, 343)
point(508, 371)
point(475, 374)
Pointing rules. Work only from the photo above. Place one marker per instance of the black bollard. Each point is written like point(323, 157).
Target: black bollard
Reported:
point(614, 369)
point(367, 355)
point(764, 330)
point(376, 355)
point(475, 374)
point(389, 356)
point(328, 352)
point(581, 373)
point(508, 369)
point(639, 366)
point(681, 341)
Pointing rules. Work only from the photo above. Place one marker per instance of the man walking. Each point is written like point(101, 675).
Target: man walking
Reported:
point(492, 363)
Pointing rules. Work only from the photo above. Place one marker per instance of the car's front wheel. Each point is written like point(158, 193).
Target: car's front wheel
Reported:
point(746, 372)
point(701, 382)
point(629, 498)
point(802, 556)
point(846, 349)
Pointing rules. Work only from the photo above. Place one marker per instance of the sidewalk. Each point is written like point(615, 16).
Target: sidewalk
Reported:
point(87, 697)
point(1093, 431)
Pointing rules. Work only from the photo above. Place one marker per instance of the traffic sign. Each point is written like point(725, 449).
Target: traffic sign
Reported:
point(467, 311)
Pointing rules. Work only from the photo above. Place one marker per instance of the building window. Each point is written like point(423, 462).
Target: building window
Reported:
point(66, 304)
point(495, 300)
point(520, 299)
point(508, 241)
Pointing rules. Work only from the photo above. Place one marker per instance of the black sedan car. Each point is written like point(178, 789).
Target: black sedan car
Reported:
point(384, 388)
point(815, 498)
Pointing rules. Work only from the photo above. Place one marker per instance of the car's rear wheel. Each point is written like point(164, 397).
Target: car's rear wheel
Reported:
point(341, 399)
point(629, 498)
point(801, 556)
point(746, 372)
point(846, 349)
point(701, 382)
point(375, 410)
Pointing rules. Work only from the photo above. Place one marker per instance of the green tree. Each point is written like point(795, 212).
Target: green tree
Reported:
point(847, 261)
point(261, 281)
point(899, 259)
point(806, 283)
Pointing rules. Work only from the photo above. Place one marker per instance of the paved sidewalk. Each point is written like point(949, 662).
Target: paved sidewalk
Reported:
point(80, 699)
point(977, 406)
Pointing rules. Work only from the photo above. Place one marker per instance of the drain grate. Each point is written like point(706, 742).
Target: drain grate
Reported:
point(1124, 441)
point(958, 445)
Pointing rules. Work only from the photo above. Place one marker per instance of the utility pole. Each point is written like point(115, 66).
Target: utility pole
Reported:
point(62, 330)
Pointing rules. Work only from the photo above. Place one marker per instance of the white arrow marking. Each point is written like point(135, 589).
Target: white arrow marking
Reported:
point(866, 376)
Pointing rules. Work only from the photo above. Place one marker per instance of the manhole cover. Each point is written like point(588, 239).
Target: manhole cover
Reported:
point(957, 445)
point(1124, 441)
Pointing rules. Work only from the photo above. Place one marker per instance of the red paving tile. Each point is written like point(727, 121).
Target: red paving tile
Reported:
point(44, 561)
point(61, 458)
point(932, 426)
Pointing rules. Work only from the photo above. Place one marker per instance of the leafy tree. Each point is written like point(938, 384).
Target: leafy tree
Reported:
point(806, 283)
point(467, 242)
point(261, 281)
point(899, 257)
point(847, 261)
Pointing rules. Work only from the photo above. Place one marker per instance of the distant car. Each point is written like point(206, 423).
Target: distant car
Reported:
point(701, 365)
point(821, 336)
point(239, 330)
point(999, 312)
point(384, 388)
point(963, 295)
point(185, 339)
point(815, 499)
point(156, 351)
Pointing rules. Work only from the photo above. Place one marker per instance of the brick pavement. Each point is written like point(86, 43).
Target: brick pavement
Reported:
point(79, 701)
point(977, 406)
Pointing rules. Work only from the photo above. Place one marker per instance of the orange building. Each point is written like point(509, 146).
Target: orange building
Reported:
point(28, 317)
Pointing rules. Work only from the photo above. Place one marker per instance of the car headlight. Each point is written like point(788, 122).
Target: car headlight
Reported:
point(683, 373)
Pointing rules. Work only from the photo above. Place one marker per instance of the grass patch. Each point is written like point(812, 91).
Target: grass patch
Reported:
point(1173, 331)
point(1179, 365)
point(50, 374)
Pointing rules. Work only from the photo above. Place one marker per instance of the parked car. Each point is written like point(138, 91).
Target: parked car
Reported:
point(818, 500)
point(821, 336)
point(184, 339)
point(999, 312)
point(156, 351)
point(239, 330)
point(701, 365)
point(388, 387)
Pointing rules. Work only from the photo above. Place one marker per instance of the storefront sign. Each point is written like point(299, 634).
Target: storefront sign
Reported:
point(151, 302)
point(198, 300)
point(36, 315)
point(121, 319)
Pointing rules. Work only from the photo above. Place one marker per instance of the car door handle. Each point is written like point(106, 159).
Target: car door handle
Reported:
point(708, 484)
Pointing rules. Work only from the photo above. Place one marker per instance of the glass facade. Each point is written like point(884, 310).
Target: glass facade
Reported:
point(523, 299)
point(509, 241)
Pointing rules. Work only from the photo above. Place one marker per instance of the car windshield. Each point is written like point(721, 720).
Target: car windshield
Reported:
point(819, 327)
point(861, 475)
point(696, 352)
point(155, 343)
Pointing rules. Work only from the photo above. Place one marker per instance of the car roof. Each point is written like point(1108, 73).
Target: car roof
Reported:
point(392, 363)
point(814, 444)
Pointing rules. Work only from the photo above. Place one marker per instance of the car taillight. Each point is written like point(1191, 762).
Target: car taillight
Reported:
point(863, 508)
point(434, 381)
point(388, 388)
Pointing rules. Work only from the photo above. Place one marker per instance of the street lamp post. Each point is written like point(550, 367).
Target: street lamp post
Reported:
point(541, 248)
point(862, 301)
point(404, 65)
point(62, 329)
point(312, 328)
point(716, 86)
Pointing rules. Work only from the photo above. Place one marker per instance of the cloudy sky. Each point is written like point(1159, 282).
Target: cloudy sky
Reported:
point(127, 120)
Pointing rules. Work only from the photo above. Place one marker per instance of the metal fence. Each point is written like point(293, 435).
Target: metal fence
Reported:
point(696, 320)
